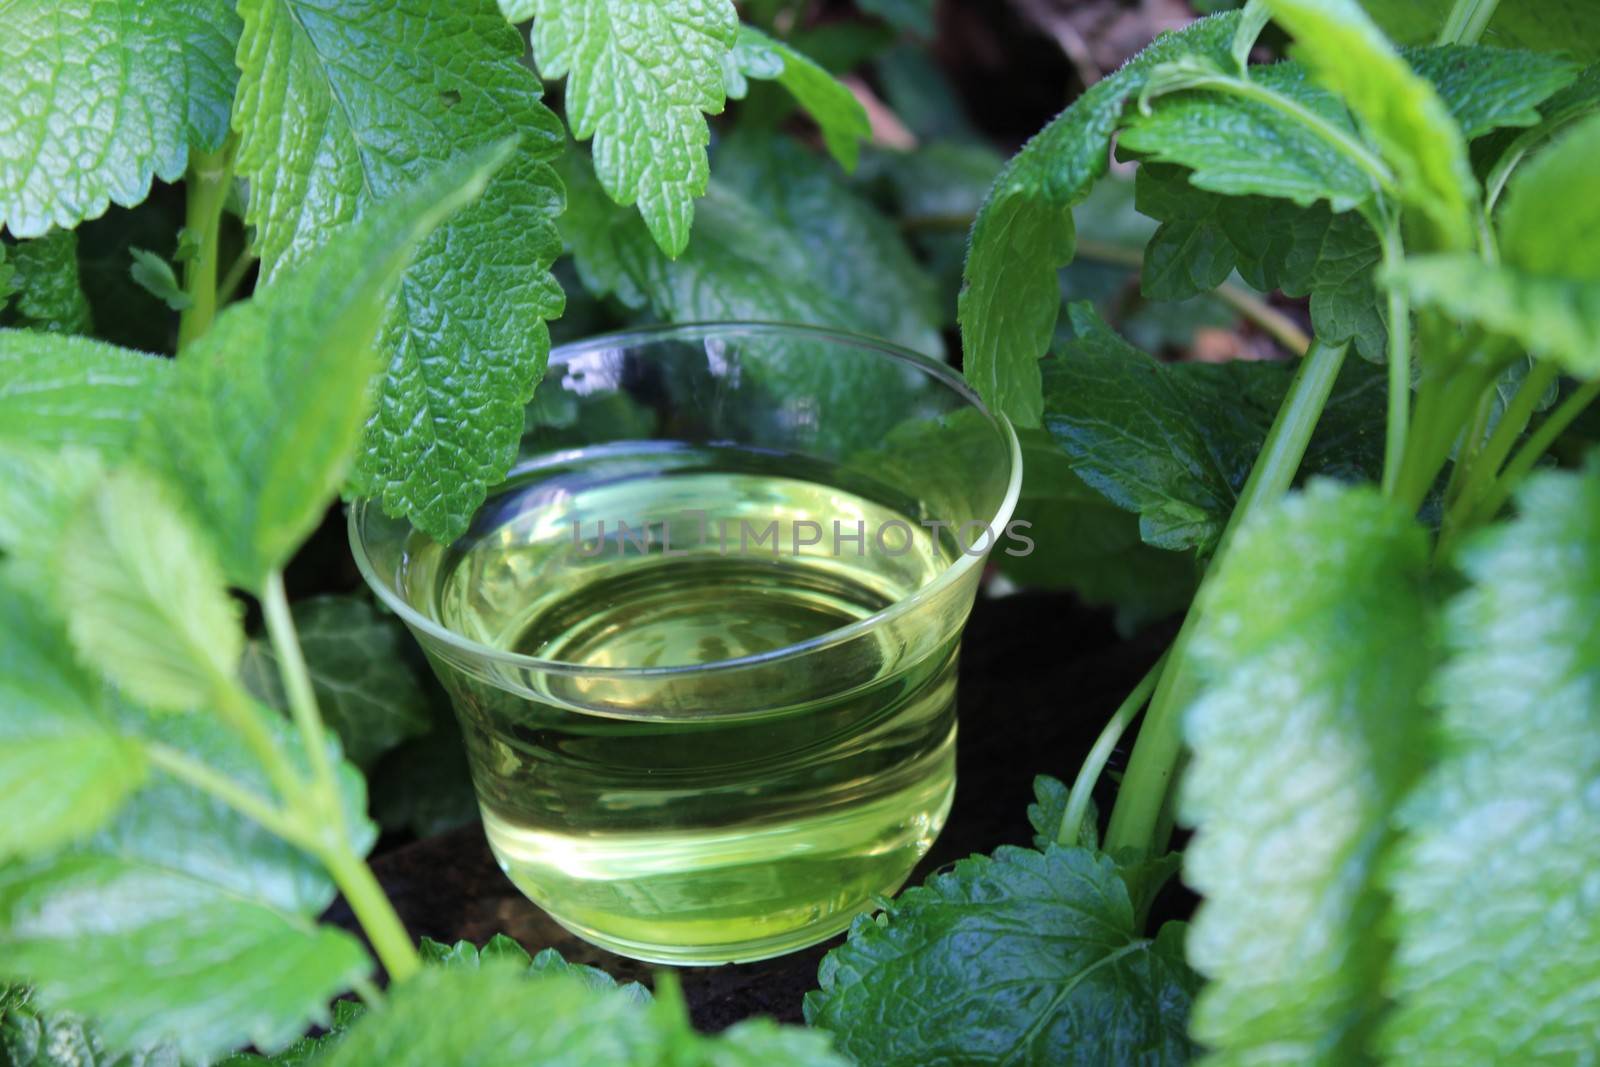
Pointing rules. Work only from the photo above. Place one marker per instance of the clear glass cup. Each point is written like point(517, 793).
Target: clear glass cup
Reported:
point(702, 643)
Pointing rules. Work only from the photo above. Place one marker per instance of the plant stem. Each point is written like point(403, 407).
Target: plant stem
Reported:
point(1466, 21)
point(1471, 448)
point(1093, 764)
point(374, 912)
point(240, 713)
point(1515, 419)
point(1399, 417)
point(1136, 817)
point(302, 698)
point(228, 288)
point(1537, 445)
point(231, 793)
point(206, 187)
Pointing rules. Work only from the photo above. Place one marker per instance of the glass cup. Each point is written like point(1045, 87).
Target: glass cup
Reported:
point(702, 642)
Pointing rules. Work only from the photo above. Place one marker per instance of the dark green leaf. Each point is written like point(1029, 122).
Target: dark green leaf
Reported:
point(99, 96)
point(30, 1038)
point(44, 277)
point(501, 950)
point(1019, 958)
point(1498, 958)
point(342, 106)
point(1024, 233)
point(424, 787)
point(268, 405)
point(57, 391)
point(837, 112)
point(1314, 646)
point(1487, 88)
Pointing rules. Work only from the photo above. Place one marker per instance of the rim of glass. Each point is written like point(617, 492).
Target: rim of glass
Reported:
point(679, 331)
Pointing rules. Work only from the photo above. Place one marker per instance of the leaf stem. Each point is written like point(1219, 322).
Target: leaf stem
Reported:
point(302, 698)
point(1398, 423)
point(206, 188)
point(1136, 817)
point(1095, 763)
point(242, 715)
point(374, 912)
point(1515, 419)
point(246, 802)
point(1536, 446)
point(228, 288)
point(1467, 21)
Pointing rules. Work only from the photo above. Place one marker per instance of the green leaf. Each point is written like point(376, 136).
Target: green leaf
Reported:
point(1550, 221)
point(155, 276)
point(1397, 108)
point(502, 950)
point(181, 921)
point(1498, 859)
point(143, 596)
point(356, 655)
point(1021, 957)
point(60, 391)
point(1570, 26)
point(424, 787)
point(64, 771)
point(912, 16)
point(45, 279)
point(1486, 88)
point(861, 255)
point(7, 279)
point(99, 96)
point(342, 106)
point(1024, 234)
point(1313, 644)
point(495, 1015)
point(641, 76)
point(837, 112)
point(40, 490)
point(1175, 442)
point(269, 404)
point(31, 1038)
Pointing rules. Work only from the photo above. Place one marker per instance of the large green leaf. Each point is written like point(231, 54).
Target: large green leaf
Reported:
point(1486, 88)
point(1313, 643)
point(1023, 233)
point(181, 920)
point(1397, 108)
point(269, 404)
point(1550, 221)
point(641, 76)
point(839, 115)
point(58, 391)
point(1019, 958)
point(1174, 443)
point(143, 596)
point(861, 256)
point(64, 770)
point(99, 96)
point(1499, 955)
point(44, 277)
point(1570, 26)
point(341, 107)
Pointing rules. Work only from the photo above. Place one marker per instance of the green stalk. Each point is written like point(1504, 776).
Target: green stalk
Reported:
point(241, 713)
point(1515, 419)
point(1467, 21)
point(302, 698)
point(206, 187)
point(1093, 764)
point(1398, 423)
point(245, 801)
point(1538, 444)
point(374, 912)
point(1136, 817)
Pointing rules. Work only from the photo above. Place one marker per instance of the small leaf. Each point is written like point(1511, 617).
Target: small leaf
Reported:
point(44, 277)
point(59, 391)
point(269, 404)
point(98, 97)
point(144, 597)
point(1021, 957)
point(1313, 647)
point(837, 112)
point(641, 76)
point(154, 275)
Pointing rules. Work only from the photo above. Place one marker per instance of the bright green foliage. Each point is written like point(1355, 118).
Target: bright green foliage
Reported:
point(356, 656)
point(269, 404)
point(40, 489)
point(1486, 88)
point(1570, 26)
point(63, 769)
point(1024, 233)
point(1499, 955)
point(641, 76)
point(860, 253)
point(1174, 442)
point(1397, 108)
point(493, 1015)
point(44, 276)
point(143, 595)
point(98, 96)
point(502, 950)
point(202, 929)
point(838, 113)
point(1021, 957)
point(72, 391)
point(1314, 644)
point(341, 107)
point(1550, 221)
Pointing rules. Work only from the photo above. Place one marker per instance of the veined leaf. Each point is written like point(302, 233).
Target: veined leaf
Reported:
point(641, 76)
point(1550, 222)
point(501, 950)
point(1021, 957)
point(1570, 26)
point(269, 404)
point(64, 770)
point(341, 107)
point(60, 391)
point(99, 96)
point(1486, 88)
point(1499, 956)
point(837, 112)
point(1397, 108)
point(861, 254)
point(1313, 644)
point(1024, 234)
point(182, 921)
point(44, 277)
point(32, 1038)
point(143, 595)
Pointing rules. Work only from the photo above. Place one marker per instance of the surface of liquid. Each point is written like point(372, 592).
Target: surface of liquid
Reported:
point(699, 816)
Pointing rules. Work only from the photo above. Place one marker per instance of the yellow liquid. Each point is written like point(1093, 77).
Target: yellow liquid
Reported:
point(749, 830)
